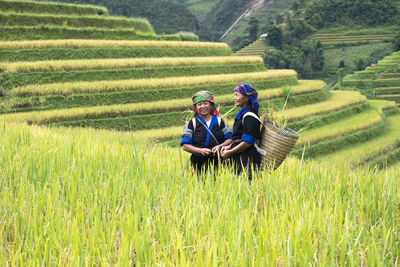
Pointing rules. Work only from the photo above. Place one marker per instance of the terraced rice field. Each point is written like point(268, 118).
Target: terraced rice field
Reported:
point(84, 179)
point(338, 38)
point(257, 48)
point(388, 140)
point(379, 82)
point(30, 20)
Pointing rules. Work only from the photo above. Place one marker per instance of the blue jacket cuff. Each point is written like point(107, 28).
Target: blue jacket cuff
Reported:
point(248, 138)
point(187, 140)
point(228, 136)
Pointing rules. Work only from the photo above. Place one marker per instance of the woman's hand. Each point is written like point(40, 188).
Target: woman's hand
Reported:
point(226, 153)
point(216, 149)
point(223, 148)
point(205, 152)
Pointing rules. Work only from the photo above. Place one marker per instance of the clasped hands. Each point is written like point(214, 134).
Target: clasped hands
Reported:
point(224, 151)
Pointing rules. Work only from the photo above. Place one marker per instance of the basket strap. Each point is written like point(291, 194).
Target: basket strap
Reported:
point(251, 114)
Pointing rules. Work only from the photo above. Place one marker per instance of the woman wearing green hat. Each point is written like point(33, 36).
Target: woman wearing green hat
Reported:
point(206, 133)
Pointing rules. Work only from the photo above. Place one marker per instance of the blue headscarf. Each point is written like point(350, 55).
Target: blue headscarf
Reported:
point(248, 90)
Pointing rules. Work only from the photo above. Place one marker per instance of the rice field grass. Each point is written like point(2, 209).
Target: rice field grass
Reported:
point(50, 8)
point(101, 64)
point(346, 126)
point(87, 197)
point(351, 37)
point(145, 84)
point(32, 19)
point(355, 154)
point(71, 43)
point(83, 196)
point(338, 101)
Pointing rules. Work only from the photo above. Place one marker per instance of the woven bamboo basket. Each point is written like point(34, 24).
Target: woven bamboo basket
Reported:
point(277, 143)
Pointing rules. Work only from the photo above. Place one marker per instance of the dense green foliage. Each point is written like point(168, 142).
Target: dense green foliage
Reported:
point(224, 14)
point(338, 12)
point(305, 59)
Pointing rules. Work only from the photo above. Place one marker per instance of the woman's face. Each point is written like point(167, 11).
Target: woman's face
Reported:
point(240, 99)
point(203, 108)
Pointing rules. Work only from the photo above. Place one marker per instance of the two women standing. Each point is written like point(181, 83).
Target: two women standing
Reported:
point(239, 147)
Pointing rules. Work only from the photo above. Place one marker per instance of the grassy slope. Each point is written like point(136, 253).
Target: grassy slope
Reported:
point(374, 147)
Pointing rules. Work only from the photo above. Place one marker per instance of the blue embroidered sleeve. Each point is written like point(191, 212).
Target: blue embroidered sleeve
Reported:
point(186, 140)
point(228, 136)
point(187, 136)
point(248, 138)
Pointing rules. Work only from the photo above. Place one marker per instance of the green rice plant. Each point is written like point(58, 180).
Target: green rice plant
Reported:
point(326, 118)
point(386, 82)
point(12, 80)
point(338, 101)
point(79, 196)
point(49, 32)
point(26, 19)
point(145, 84)
point(358, 122)
point(344, 127)
point(392, 170)
point(91, 53)
point(50, 8)
point(48, 44)
point(99, 64)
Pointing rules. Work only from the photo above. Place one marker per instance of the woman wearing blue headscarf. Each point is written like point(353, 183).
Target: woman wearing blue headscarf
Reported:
point(246, 131)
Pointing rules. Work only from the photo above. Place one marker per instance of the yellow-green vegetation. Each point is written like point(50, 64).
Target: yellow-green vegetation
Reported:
point(393, 170)
point(145, 84)
point(44, 117)
point(376, 146)
point(70, 43)
point(50, 8)
point(80, 196)
point(28, 19)
point(97, 64)
point(84, 197)
point(338, 101)
point(346, 126)
point(337, 38)
point(257, 48)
